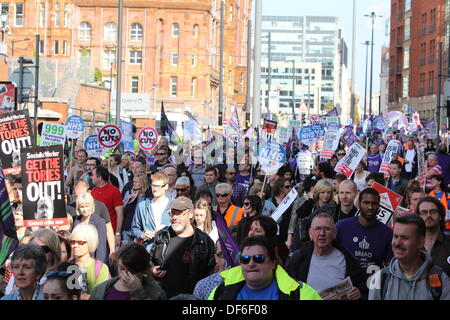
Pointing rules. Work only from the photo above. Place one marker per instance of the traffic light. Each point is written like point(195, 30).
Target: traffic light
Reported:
point(303, 118)
point(23, 93)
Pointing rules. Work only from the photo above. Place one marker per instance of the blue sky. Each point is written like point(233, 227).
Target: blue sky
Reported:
point(343, 9)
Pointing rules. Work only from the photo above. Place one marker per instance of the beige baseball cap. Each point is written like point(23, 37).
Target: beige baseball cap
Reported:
point(182, 203)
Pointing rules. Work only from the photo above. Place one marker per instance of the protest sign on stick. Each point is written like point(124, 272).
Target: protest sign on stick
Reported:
point(15, 133)
point(348, 164)
point(43, 186)
point(390, 155)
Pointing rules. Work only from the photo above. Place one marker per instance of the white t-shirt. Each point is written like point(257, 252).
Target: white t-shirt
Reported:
point(158, 210)
point(409, 156)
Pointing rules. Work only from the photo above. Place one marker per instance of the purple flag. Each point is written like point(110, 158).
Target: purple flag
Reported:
point(8, 235)
point(333, 113)
point(230, 248)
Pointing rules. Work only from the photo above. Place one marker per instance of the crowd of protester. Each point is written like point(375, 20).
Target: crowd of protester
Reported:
point(144, 232)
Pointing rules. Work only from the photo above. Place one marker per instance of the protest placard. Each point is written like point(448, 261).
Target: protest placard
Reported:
point(127, 135)
point(285, 204)
point(337, 292)
point(15, 133)
point(148, 138)
point(109, 136)
point(74, 127)
point(271, 156)
point(421, 165)
point(305, 162)
point(390, 155)
point(389, 202)
point(8, 94)
point(93, 147)
point(53, 134)
point(348, 164)
point(331, 142)
point(43, 186)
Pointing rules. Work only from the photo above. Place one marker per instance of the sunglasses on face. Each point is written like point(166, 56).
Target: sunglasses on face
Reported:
point(158, 186)
point(246, 204)
point(341, 154)
point(222, 195)
point(288, 187)
point(180, 189)
point(257, 258)
point(231, 172)
point(78, 242)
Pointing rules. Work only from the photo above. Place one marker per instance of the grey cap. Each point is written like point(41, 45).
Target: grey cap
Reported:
point(183, 181)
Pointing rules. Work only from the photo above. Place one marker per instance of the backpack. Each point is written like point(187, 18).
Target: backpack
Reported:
point(434, 276)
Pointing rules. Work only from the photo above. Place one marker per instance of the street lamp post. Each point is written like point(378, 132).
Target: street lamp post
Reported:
point(372, 16)
point(367, 43)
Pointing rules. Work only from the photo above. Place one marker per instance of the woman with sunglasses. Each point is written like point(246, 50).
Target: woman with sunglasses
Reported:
point(133, 281)
point(252, 209)
point(84, 242)
point(28, 263)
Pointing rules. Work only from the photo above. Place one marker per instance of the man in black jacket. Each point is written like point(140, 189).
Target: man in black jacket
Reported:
point(323, 263)
point(181, 254)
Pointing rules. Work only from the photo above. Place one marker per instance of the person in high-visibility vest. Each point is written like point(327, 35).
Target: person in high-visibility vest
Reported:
point(231, 213)
point(439, 192)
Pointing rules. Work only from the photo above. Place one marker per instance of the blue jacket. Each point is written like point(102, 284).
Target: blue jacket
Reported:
point(144, 220)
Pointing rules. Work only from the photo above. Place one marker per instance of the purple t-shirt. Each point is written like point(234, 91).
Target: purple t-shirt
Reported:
point(114, 294)
point(369, 245)
point(243, 181)
point(444, 162)
point(374, 162)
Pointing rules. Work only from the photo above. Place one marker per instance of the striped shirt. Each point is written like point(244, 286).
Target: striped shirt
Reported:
point(437, 169)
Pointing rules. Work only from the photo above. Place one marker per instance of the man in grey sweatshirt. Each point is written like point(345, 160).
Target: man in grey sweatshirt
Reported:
point(411, 274)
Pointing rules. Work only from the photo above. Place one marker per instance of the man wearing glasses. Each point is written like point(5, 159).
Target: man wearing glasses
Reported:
point(437, 243)
point(152, 215)
point(324, 263)
point(259, 277)
point(181, 255)
point(183, 187)
point(162, 158)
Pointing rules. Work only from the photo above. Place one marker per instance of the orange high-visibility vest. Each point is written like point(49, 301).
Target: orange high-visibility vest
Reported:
point(233, 215)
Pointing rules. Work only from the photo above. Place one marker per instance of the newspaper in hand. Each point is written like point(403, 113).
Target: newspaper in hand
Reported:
point(337, 292)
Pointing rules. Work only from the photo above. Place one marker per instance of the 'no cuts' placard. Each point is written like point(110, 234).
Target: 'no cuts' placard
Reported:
point(109, 136)
point(43, 186)
point(148, 138)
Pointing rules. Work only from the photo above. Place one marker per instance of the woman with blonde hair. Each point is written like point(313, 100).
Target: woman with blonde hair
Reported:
point(84, 242)
point(203, 219)
point(85, 207)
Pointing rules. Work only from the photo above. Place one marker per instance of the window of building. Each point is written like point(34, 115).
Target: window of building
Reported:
point(195, 31)
point(135, 56)
point(66, 15)
point(408, 28)
point(430, 82)
point(84, 58)
point(193, 87)
point(4, 9)
point(41, 47)
point(134, 84)
point(175, 30)
point(56, 47)
point(242, 82)
point(136, 32)
point(64, 48)
point(57, 14)
point(85, 31)
point(110, 32)
point(42, 14)
point(405, 86)
point(19, 15)
point(231, 13)
point(407, 5)
point(174, 58)
point(194, 60)
point(173, 86)
point(109, 57)
point(406, 58)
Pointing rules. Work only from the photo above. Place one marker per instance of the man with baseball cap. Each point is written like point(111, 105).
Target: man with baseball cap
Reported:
point(182, 254)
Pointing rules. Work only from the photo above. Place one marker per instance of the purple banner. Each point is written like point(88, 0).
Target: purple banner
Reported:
point(8, 235)
point(230, 248)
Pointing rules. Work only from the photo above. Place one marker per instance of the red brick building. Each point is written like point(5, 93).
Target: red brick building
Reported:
point(170, 47)
point(417, 27)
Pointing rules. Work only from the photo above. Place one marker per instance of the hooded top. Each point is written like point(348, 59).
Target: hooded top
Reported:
point(400, 287)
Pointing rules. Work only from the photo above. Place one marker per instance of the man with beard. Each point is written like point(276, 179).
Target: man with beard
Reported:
point(411, 275)
point(368, 239)
point(181, 254)
point(437, 243)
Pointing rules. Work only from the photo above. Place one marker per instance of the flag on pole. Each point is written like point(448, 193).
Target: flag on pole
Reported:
point(230, 248)
point(8, 235)
point(333, 113)
point(167, 129)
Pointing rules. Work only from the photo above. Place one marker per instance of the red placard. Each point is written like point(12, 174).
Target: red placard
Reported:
point(109, 136)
